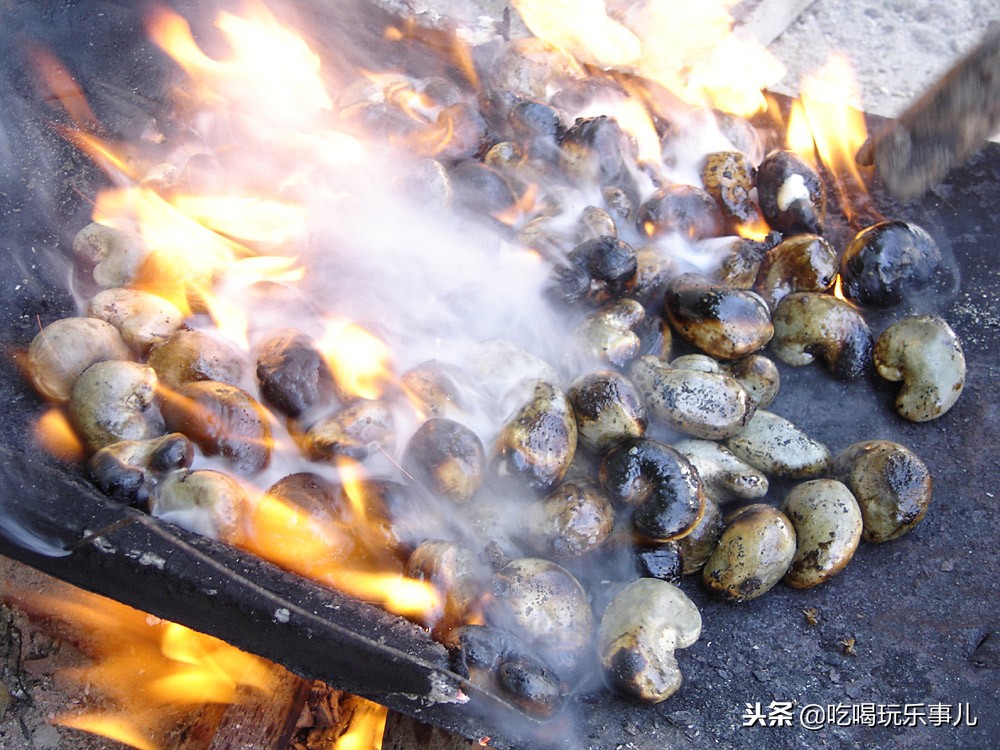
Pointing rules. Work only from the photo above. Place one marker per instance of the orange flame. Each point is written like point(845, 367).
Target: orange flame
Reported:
point(359, 361)
point(366, 729)
point(146, 668)
point(836, 128)
point(687, 47)
point(56, 436)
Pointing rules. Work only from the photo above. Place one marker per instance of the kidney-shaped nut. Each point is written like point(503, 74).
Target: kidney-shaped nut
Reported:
point(222, 420)
point(111, 257)
point(447, 458)
point(62, 350)
point(791, 194)
point(190, 356)
point(573, 520)
point(352, 432)
point(887, 261)
point(638, 634)
point(142, 318)
point(926, 355)
point(891, 484)
point(129, 469)
point(491, 658)
point(203, 501)
point(726, 323)
point(827, 523)
point(537, 442)
point(606, 337)
point(684, 209)
point(597, 271)
point(759, 375)
point(545, 605)
point(801, 263)
point(659, 483)
point(753, 553)
point(456, 574)
point(114, 401)
point(809, 325)
point(608, 409)
point(779, 448)
point(695, 548)
point(703, 404)
point(724, 476)
point(292, 374)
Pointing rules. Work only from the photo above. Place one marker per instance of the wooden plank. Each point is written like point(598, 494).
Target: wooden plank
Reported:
point(766, 20)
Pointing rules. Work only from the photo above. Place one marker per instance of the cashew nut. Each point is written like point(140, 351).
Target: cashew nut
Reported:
point(926, 355)
point(811, 324)
point(64, 349)
point(142, 318)
point(113, 401)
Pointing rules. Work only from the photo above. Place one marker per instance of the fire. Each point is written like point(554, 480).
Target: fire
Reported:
point(828, 119)
point(360, 361)
point(687, 47)
point(56, 436)
point(366, 729)
point(146, 668)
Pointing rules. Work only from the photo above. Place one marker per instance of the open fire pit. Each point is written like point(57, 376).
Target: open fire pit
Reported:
point(896, 629)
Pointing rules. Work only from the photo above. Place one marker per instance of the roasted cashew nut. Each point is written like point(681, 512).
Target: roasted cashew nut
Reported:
point(809, 325)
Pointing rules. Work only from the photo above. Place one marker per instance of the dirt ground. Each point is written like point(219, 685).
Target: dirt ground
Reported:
point(897, 49)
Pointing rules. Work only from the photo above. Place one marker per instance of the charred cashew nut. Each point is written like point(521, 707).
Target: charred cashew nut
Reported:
point(926, 355)
point(128, 469)
point(639, 632)
point(113, 401)
point(64, 349)
point(810, 324)
point(659, 483)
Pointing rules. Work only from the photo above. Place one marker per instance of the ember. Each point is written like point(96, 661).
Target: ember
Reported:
point(281, 231)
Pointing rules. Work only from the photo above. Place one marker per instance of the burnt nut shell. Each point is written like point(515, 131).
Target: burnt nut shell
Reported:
point(573, 520)
point(543, 604)
point(684, 209)
point(352, 432)
point(456, 574)
point(802, 263)
point(598, 270)
point(695, 548)
point(658, 483)
point(728, 177)
point(432, 387)
point(129, 469)
point(640, 630)
point(759, 375)
point(926, 355)
point(662, 561)
point(537, 442)
point(779, 448)
point(809, 325)
point(447, 458)
point(292, 374)
point(753, 553)
point(190, 356)
point(726, 323)
point(205, 502)
point(891, 484)
point(724, 477)
point(114, 401)
point(608, 409)
point(489, 657)
point(142, 318)
point(605, 337)
point(224, 420)
point(827, 523)
point(703, 404)
point(63, 349)
point(791, 194)
point(887, 261)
